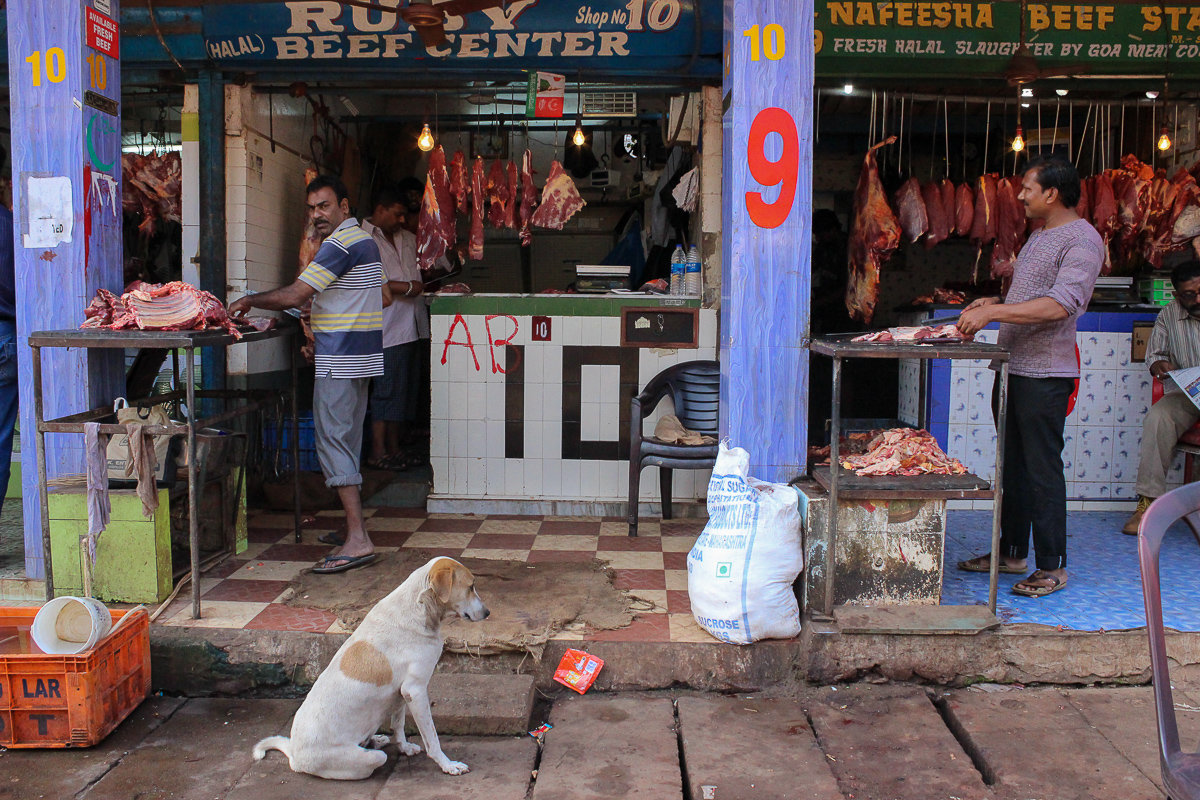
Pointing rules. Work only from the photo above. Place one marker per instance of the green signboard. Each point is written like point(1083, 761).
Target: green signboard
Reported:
point(859, 38)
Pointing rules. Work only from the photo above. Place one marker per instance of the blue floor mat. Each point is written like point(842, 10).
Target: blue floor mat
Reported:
point(1104, 591)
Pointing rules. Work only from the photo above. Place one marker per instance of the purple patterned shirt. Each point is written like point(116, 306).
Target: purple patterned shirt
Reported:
point(1061, 263)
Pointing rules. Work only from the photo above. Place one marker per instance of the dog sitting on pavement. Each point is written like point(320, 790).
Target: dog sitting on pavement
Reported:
point(379, 673)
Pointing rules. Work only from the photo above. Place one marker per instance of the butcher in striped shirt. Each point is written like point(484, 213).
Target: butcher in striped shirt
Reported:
point(1174, 344)
point(346, 285)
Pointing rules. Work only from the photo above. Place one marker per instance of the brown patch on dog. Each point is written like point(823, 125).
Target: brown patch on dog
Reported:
point(441, 577)
point(364, 662)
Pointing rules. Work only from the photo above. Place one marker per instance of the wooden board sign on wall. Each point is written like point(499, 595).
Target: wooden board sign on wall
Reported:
point(660, 327)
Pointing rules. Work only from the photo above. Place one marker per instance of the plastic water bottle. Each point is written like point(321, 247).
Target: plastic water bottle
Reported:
point(678, 270)
point(691, 283)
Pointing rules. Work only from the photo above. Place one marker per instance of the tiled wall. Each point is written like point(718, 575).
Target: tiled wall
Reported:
point(1103, 432)
point(526, 420)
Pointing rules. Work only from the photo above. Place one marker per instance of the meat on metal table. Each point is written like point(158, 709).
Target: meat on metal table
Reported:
point(842, 483)
point(174, 341)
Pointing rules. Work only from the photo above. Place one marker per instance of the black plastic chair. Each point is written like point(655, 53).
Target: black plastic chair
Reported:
point(1180, 771)
point(694, 387)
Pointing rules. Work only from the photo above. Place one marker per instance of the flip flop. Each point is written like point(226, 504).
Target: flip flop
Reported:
point(352, 562)
point(1025, 590)
point(336, 538)
point(980, 564)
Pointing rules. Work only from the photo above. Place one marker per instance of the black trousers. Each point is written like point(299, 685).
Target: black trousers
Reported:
point(1035, 488)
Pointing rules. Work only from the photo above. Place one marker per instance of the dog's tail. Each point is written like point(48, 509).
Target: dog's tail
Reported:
point(281, 743)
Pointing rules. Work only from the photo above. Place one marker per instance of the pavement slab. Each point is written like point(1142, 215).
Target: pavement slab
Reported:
point(752, 748)
point(1030, 741)
point(63, 773)
point(890, 743)
point(501, 769)
point(603, 747)
point(200, 753)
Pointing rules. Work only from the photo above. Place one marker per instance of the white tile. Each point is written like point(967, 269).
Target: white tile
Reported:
point(552, 402)
point(591, 331)
point(552, 364)
point(610, 422)
point(533, 365)
point(533, 439)
point(571, 473)
point(533, 402)
point(708, 330)
point(441, 473)
point(589, 478)
point(589, 422)
point(476, 477)
point(439, 394)
point(439, 437)
point(552, 440)
point(495, 401)
point(514, 478)
point(533, 477)
point(551, 477)
point(610, 331)
point(458, 440)
point(571, 331)
point(589, 383)
point(477, 401)
point(494, 476)
point(476, 438)
point(611, 486)
point(495, 439)
point(610, 383)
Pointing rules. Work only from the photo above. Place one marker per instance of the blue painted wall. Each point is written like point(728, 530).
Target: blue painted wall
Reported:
point(767, 156)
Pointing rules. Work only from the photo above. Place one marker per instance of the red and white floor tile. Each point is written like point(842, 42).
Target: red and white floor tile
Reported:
point(245, 591)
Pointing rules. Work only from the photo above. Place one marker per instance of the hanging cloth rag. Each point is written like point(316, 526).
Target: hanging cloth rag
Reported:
point(142, 463)
point(687, 190)
point(98, 506)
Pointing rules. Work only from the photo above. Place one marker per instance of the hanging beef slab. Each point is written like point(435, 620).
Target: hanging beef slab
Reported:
point(560, 200)
point(435, 229)
point(910, 208)
point(529, 197)
point(475, 243)
point(964, 209)
point(874, 236)
point(940, 221)
point(458, 181)
point(497, 194)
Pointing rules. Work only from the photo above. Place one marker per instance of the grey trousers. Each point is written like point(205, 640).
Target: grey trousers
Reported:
point(1167, 420)
point(339, 408)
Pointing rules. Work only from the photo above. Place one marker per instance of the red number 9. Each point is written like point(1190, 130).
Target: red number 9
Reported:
point(783, 173)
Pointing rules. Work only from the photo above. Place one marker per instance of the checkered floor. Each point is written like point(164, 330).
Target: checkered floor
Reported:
point(244, 591)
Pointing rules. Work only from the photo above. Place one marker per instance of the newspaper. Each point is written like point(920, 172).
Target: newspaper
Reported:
point(1189, 381)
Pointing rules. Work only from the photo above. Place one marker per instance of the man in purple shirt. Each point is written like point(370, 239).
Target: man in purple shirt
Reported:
point(1051, 286)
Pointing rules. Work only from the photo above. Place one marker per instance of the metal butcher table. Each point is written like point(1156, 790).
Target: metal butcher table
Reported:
point(189, 342)
point(844, 484)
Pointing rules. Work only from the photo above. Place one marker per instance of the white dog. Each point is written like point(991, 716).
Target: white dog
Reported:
point(382, 669)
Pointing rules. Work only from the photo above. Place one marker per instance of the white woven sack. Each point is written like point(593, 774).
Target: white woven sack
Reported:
point(741, 569)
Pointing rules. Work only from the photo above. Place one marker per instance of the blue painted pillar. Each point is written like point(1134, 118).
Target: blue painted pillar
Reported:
point(64, 80)
point(766, 244)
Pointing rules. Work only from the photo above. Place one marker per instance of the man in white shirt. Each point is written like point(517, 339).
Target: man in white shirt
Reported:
point(391, 394)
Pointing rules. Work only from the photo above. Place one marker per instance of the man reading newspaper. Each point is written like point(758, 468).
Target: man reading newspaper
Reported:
point(1174, 346)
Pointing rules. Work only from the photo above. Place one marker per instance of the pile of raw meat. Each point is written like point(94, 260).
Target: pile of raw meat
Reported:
point(904, 451)
point(174, 306)
point(915, 334)
point(503, 195)
point(1139, 212)
point(153, 186)
point(950, 297)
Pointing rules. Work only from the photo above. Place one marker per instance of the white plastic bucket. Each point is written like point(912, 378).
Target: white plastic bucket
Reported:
point(70, 625)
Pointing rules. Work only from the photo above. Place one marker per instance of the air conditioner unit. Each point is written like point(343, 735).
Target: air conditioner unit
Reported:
point(609, 104)
point(605, 178)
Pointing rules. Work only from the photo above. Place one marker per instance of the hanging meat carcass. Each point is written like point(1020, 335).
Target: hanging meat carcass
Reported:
point(497, 194)
point(475, 243)
point(964, 209)
point(435, 229)
point(1132, 193)
point(947, 189)
point(458, 181)
point(983, 227)
point(529, 197)
point(940, 220)
point(1084, 207)
point(153, 185)
point(1104, 214)
point(1010, 227)
point(560, 200)
point(874, 236)
point(910, 209)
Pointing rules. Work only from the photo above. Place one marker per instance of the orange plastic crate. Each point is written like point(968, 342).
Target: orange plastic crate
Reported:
point(72, 701)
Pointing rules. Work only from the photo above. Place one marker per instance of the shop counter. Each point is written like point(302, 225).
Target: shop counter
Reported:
point(531, 397)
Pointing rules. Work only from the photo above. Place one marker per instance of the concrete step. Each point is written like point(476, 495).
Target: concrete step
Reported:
point(408, 490)
point(480, 705)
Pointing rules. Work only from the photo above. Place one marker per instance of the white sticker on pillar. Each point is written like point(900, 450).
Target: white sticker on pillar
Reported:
point(49, 215)
point(104, 7)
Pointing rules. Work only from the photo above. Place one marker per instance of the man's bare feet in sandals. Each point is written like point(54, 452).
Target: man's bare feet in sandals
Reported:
point(1041, 582)
point(1011, 566)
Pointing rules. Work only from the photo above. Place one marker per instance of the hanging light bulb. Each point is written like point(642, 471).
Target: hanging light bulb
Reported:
point(1164, 141)
point(1151, 95)
point(579, 138)
point(848, 88)
point(1061, 92)
point(1018, 142)
point(425, 140)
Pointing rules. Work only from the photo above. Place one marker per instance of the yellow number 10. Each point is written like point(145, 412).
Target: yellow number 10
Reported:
point(771, 43)
point(56, 65)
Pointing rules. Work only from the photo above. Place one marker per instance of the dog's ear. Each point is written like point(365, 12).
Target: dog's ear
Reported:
point(441, 579)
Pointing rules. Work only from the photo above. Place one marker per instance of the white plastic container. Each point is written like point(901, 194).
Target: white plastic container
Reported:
point(70, 625)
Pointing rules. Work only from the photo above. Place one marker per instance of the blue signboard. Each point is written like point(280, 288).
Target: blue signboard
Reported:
point(601, 35)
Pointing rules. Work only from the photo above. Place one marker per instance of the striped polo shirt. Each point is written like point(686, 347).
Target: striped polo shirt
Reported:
point(1175, 338)
point(347, 311)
